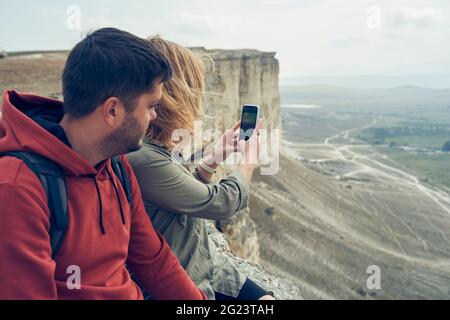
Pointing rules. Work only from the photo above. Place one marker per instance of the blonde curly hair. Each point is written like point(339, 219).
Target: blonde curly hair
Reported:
point(181, 102)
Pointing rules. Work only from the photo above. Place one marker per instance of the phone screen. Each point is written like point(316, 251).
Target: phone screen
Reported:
point(248, 122)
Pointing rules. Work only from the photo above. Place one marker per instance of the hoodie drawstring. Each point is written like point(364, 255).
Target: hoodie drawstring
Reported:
point(102, 227)
point(122, 215)
point(117, 195)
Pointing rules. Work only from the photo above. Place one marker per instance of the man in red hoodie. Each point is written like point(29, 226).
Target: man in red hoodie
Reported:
point(112, 82)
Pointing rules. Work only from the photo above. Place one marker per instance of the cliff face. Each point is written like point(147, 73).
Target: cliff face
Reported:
point(237, 77)
point(234, 78)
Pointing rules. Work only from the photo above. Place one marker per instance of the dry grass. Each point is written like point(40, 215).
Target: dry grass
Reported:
point(37, 73)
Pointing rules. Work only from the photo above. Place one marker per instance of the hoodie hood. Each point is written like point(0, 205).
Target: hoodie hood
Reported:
point(31, 123)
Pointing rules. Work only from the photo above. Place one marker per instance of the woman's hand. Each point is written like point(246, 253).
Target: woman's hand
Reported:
point(226, 145)
point(229, 143)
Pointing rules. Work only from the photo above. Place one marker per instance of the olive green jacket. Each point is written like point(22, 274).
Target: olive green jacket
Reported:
point(178, 205)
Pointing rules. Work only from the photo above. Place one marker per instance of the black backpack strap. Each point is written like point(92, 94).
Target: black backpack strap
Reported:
point(53, 180)
point(121, 173)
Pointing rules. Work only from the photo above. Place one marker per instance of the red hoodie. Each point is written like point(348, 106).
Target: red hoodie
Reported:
point(97, 240)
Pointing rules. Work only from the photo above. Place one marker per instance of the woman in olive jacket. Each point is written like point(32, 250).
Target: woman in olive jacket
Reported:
point(178, 201)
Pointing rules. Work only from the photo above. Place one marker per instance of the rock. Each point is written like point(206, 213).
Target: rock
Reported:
point(240, 232)
point(270, 211)
point(362, 291)
point(234, 78)
point(237, 77)
point(282, 288)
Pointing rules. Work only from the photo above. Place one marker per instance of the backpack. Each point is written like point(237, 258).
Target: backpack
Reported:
point(53, 180)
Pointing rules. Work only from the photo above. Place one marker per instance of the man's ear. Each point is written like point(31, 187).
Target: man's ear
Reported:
point(113, 111)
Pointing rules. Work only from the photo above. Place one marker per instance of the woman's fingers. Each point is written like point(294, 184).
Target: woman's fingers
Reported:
point(232, 137)
point(236, 126)
point(233, 130)
point(257, 128)
point(259, 125)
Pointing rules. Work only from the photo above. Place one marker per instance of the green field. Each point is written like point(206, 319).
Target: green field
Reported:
point(433, 169)
point(435, 142)
point(428, 133)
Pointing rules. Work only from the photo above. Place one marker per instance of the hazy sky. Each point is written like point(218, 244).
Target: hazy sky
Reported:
point(311, 37)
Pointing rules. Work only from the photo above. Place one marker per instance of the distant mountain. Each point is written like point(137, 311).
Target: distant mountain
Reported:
point(334, 96)
point(436, 81)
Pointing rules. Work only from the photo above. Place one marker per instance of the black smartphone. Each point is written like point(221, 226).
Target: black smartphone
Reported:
point(249, 118)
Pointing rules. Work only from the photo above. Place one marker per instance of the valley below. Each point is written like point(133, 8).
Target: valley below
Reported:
point(340, 205)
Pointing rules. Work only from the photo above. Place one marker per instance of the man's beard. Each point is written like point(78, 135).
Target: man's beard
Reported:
point(126, 139)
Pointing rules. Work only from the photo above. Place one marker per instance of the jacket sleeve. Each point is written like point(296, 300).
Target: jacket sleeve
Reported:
point(168, 186)
point(26, 267)
point(150, 257)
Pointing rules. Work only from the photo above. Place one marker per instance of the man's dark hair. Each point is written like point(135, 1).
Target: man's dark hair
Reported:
point(110, 63)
